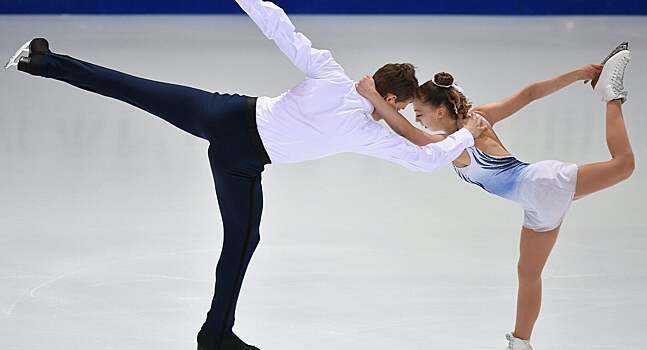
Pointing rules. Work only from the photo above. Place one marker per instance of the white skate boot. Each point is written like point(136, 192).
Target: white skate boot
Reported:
point(609, 85)
point(516, 343)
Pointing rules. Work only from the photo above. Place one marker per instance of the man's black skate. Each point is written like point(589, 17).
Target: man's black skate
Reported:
point(230, 342)
point(35, 49)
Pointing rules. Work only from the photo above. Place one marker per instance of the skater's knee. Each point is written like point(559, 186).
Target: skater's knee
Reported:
point(528, 273)
point(254, 239)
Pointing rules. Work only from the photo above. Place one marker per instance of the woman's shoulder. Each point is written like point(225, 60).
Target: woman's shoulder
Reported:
point(490, 143)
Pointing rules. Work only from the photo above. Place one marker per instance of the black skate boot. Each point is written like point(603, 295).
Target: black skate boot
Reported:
point(35, 49)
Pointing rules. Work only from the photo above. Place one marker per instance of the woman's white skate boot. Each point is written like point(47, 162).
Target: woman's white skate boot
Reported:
point(516, 343)
point(610, 84)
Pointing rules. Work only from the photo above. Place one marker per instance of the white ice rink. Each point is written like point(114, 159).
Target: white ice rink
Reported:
point(110, 231)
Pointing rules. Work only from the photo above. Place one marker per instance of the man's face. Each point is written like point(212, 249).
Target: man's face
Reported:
point(399, 106)
point(402, 105)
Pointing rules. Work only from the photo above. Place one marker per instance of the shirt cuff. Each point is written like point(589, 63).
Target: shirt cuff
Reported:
point(465, 137)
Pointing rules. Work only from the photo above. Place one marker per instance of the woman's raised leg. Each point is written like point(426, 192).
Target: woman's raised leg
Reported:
point(598, 176)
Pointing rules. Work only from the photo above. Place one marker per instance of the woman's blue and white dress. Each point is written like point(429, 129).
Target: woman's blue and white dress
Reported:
point(544, 189)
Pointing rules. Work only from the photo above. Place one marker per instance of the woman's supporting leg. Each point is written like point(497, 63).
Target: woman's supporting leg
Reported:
point(598, 176)
point(187, 108)
point(534, 252)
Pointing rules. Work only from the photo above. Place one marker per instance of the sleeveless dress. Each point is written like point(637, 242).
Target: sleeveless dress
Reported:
point(544, 189)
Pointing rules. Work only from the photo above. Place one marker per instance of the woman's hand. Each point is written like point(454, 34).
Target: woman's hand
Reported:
point(589, 72)
point(474, 123)
point(366, 88)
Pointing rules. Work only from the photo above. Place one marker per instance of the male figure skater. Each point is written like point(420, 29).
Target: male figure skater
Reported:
point(322, 116)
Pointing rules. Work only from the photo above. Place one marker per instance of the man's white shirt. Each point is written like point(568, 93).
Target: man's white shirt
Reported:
point(324, 114)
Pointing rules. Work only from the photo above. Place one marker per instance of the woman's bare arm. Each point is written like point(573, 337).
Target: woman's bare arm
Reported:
point(497, 111)
point(400, 124)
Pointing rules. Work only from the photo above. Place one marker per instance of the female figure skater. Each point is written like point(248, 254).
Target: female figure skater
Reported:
point(544, 189)
point(322, 116)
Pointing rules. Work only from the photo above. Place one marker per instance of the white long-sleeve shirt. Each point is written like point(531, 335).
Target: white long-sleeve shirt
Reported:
point(324, 114)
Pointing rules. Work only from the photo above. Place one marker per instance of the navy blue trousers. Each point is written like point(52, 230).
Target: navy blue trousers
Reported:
point(236, 155)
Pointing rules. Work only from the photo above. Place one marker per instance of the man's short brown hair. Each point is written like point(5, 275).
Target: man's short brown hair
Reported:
point(398, 79)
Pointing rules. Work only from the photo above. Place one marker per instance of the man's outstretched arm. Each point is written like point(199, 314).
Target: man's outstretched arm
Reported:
point(276, 26)
point(380, 142)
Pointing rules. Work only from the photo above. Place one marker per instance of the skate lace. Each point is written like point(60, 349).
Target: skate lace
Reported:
point(509, 338)
point(618, 75)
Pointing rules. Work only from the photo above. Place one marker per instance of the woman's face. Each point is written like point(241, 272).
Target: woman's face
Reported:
point(432, 118)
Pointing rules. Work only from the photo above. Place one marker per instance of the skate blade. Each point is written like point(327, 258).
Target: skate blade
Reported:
point(623, 46)
point(13, 61)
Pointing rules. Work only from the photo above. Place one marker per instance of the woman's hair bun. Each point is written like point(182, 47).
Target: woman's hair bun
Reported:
point(443, 79)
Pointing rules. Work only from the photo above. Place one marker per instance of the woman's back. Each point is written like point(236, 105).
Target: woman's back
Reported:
point(544, 189)
point(490, 166)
